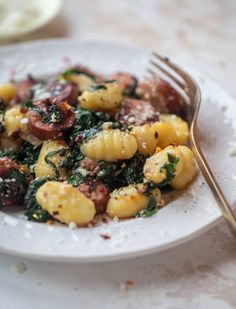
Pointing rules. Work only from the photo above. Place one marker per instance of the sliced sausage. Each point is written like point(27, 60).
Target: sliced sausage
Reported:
point(97, 192)
point(126, 81)
point(89, 165)
point(137, 112)
point(49, 119)
point(23, 89)
point(12, 190)
point(6, 165)
point(61, 90)
point(161, 94)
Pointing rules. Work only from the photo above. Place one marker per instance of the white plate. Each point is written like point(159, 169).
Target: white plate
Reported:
point(43, 10)
point(192, 211)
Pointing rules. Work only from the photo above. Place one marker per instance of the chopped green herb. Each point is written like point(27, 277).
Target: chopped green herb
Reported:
point(109, 174)
point(170, 167)
point(97, 87)
point(133, 169)
point(10, 153)
point(34, 212)
point(51, 164)
point(13, 187)
point(52, 115)
point(76, 179)
point(68, 72)
point(120, 126)
point(88, 134)
point(73, 156)
point(86, 121)
point(28, 155)
point(150, 210)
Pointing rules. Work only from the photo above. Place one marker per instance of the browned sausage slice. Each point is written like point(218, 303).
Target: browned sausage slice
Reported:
point(48, 119)
point(126, 81)
point(61, 90)
point(12, 189)
point(6, 165)
point(161, 94)
point(23, 89)
point(97, 192)
point(136, 112)
point(89, 165)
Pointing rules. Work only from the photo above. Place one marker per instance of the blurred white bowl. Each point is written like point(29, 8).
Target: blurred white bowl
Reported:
point(20, 17)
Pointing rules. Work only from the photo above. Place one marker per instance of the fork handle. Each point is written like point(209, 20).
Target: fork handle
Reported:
point(213, 184)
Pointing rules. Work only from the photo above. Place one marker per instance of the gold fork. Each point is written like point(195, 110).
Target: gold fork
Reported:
point(190, 92)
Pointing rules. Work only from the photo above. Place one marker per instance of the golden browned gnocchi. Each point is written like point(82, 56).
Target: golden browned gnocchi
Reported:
point(110, 145)
point(166, 134)
point(83, 81)
point(189, 169)
point(102, 98)
point(65, 203)
point(157, 167)
point(15, 120)
point(174, 163)
point(42, 168)
point(126, 202)
point(180, 126)
point(147, 138)
point(7, 92)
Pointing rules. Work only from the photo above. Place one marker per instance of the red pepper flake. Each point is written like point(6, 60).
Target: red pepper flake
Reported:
point(23, 110)
point(50, 222)
point(78, 139)
point(55, 213)
point(45, 194)
point(105, 236)
point(104, 220)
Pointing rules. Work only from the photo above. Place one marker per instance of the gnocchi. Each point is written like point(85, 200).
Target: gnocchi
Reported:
point(15, 120)
point(83, 81)
point(42, 168)
point(166, 134)
point(126, 202)
point(102, 98)
point(110, 145)
point(189, 169)
point(156, 167)
point(147, 138)
point(7, 92)
point(180, 126)
point(65, 203)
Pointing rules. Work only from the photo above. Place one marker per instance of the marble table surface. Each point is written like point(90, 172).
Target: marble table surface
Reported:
point(198, 274)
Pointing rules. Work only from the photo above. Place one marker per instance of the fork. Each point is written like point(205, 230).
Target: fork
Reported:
point(190, 92)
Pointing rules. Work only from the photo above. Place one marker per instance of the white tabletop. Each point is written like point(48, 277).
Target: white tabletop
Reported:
point(197, 274)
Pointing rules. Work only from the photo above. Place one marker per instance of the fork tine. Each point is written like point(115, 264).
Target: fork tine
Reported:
point(175, 68)
point(181, 84)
